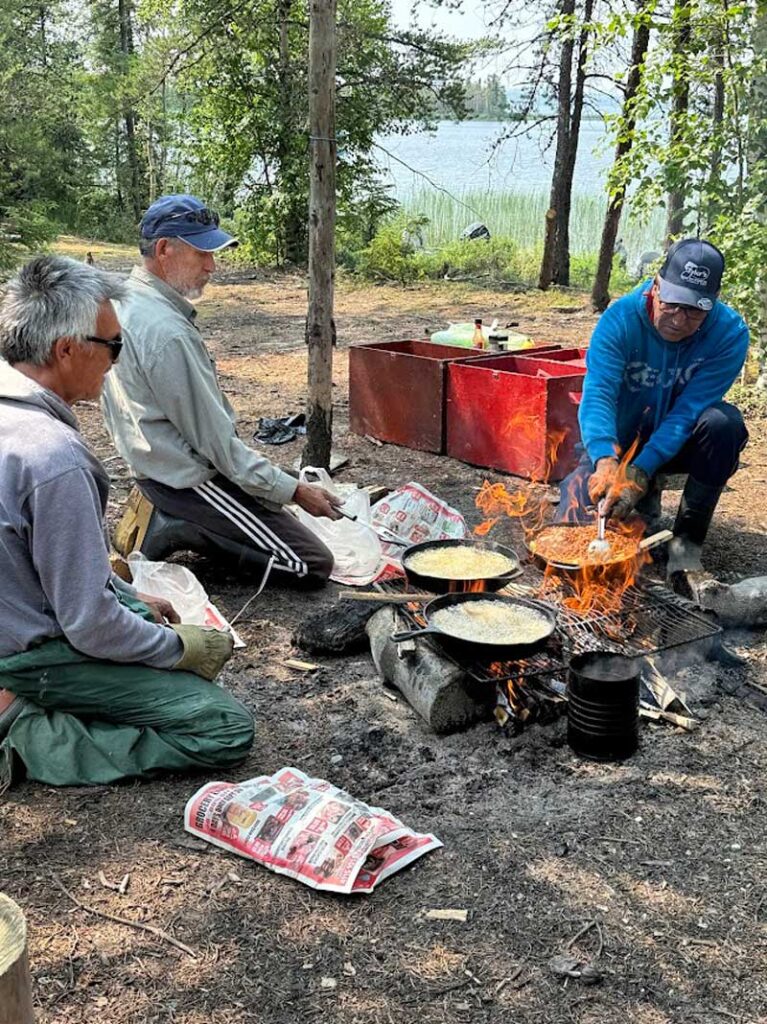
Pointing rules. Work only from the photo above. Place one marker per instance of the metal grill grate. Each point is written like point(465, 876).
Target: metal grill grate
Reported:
point(651, 619)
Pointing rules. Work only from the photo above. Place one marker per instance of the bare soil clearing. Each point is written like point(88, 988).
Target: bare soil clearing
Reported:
point(665, 853)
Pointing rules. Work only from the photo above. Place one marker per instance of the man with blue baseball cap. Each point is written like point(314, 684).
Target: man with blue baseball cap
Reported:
point(199, 486)
point(659, 363)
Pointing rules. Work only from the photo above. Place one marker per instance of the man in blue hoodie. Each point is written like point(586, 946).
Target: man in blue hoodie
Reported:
point(659, 363)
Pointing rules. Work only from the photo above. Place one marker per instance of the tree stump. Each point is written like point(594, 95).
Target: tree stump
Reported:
point(15, 983)
point(430, 682)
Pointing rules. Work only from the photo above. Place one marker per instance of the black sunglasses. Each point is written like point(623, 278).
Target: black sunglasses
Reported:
point(203, 216)
point(115, 345)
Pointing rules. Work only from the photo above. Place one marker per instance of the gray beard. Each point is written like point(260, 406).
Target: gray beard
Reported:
point(186, 290)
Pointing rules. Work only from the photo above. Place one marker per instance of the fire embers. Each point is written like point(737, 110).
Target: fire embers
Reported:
point(524, 699)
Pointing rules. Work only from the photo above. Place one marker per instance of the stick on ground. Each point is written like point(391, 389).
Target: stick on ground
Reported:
point(158, 932)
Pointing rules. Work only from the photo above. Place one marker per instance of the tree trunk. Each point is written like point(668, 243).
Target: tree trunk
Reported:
point(562, 240)
point(600, 296)
point(129, 114)
point(290, 163)
point(547, 263)
point(757, 166)
point(556, 197)
point(680, 101)
point(15, 983)
point(717, 120)
point(320, 327)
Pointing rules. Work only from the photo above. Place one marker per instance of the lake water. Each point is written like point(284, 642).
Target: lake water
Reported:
point(505, 184)
point(468, 156)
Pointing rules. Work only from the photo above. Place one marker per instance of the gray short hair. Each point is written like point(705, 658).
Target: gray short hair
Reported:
point(147, 247)
point(52, 297)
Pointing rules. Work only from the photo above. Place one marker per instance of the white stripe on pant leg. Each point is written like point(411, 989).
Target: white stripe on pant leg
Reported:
point(279, 543)
point(253, 529)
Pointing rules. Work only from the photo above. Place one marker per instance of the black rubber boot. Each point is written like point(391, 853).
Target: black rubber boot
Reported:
point(166, 535)
point(696, 510)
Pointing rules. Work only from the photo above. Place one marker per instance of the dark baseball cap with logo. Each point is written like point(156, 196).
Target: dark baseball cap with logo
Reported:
point(187, 218)
point(691, 274)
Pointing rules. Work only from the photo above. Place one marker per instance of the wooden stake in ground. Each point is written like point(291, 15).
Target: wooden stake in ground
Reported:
point(320, 328)
point(15, 984)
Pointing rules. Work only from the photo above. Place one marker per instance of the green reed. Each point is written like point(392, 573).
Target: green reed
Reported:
point(519, 215)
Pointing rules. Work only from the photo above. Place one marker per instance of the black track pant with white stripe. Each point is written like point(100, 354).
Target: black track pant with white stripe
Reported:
point(219, 508)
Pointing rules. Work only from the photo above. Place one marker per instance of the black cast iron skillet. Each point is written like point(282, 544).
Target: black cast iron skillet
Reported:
point(444, 585)
point(480, 650)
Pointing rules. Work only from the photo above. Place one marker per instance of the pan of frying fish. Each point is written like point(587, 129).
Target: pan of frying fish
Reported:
point(456, 566)
point(485, 626)
point(564, 548)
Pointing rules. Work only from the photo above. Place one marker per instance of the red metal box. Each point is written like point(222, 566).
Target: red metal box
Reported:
point(397, 390)
point(517, 413)
point(576, 357)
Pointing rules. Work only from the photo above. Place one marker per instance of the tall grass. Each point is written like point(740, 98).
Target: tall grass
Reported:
point(519, 215)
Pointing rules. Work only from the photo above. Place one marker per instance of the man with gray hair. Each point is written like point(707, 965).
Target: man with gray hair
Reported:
point(107, 684)
point(171, 422)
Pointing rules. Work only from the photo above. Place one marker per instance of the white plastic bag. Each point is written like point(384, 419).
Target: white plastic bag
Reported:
point(173, 582)
point(181, 587)
point(355, 546)
point(415, 514)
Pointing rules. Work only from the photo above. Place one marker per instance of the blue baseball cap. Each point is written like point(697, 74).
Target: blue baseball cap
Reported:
point(691, 274)
point(186, 218)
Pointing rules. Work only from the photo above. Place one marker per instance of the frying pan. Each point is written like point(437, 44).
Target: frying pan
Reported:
point(442, 584)
point(478, 649)
point(606, 568)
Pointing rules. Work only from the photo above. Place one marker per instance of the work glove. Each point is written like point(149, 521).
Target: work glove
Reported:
point(626, 492)
point(206, 651)
point(602, 479)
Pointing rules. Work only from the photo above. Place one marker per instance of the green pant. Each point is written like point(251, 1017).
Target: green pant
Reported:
point(93, 722)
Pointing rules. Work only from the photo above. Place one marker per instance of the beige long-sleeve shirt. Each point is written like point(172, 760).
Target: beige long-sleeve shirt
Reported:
point(163, 405)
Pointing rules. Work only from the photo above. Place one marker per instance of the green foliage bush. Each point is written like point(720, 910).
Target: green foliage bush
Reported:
point(389, 257)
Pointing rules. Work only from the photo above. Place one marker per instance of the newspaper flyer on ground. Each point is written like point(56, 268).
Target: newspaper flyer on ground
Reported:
point(305, 828)
point(413, 514)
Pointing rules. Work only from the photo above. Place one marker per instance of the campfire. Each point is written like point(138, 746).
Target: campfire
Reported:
point(581, 582)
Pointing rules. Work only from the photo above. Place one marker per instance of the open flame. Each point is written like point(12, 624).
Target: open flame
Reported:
point(593, 586)
point(495, 502)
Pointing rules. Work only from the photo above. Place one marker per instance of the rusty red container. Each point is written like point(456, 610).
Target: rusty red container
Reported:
point(517, 413)
point(574, 357)
point(398, 390)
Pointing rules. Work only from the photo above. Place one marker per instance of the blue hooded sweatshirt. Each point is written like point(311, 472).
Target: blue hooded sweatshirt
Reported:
point(638, 385)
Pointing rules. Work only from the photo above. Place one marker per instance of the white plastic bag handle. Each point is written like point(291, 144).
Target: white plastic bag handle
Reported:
point(320, 475)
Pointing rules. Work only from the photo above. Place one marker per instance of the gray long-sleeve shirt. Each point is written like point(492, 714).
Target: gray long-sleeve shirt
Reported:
point(55, 577)
point(162, 402)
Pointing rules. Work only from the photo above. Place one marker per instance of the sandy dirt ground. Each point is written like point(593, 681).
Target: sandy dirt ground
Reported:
point(657, 864)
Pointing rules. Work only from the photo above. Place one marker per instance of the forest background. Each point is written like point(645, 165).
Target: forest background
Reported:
point(110, 103)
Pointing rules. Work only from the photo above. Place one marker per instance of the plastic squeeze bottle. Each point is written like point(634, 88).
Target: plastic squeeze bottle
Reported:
point(478, 340)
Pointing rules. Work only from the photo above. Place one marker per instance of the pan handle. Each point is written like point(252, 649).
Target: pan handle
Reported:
point(411, 634)
point(657, 538)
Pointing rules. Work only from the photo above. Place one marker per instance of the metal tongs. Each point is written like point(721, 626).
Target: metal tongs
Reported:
point(383, 532)
point(600, 546)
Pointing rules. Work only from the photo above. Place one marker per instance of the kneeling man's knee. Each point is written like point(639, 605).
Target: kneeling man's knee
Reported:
point(231, 727)
point(723, 422)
